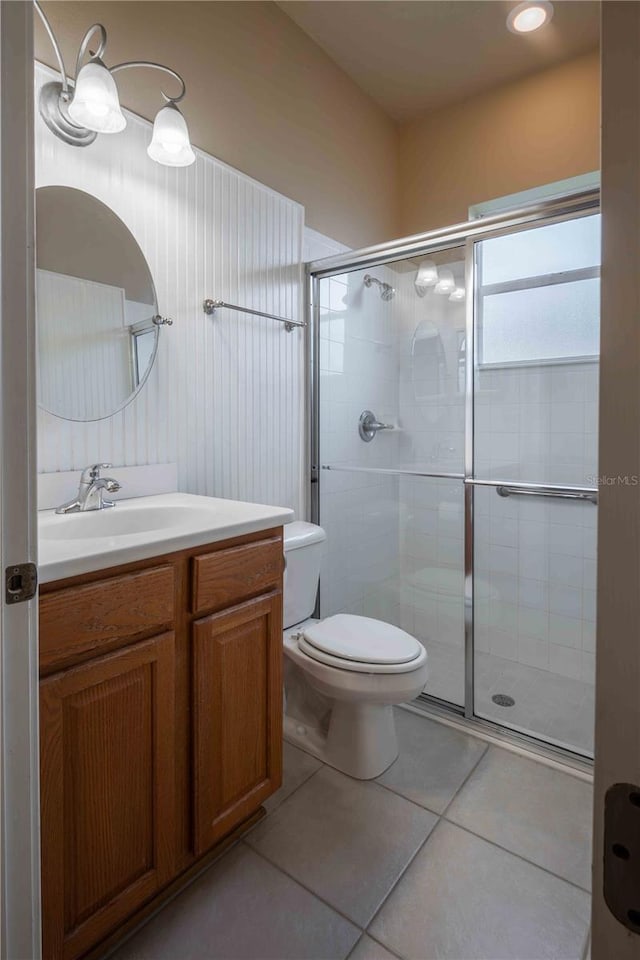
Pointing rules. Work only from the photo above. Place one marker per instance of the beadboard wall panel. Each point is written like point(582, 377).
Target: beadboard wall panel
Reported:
point(225, 399)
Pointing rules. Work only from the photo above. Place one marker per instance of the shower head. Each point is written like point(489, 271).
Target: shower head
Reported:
point(387, 292)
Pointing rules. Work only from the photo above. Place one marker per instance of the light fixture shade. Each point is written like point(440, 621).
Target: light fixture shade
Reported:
point(457, 295)
point(529, 16)
point(446, 283)
point(170, 143)
point(95, 103)
point(427, 275)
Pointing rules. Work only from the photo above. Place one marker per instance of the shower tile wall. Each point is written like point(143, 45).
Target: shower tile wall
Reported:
point(360, 511)
point(538, 424)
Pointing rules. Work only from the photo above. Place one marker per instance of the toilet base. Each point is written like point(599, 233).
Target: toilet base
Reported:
point(360, 741)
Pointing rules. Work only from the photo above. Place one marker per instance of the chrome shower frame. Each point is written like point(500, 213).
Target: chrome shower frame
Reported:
point(420, 245)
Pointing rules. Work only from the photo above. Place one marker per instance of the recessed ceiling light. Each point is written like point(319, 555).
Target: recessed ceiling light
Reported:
point(527, 17)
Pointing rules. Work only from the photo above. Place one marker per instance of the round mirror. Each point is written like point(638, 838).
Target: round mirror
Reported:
point(95, 307)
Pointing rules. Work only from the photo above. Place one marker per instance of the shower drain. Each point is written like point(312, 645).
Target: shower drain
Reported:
point(503, 700)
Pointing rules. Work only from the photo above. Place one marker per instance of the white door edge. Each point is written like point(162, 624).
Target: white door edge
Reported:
point(19, 797)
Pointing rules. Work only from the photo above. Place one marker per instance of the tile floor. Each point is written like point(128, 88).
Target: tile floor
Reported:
point(460, 851)
point(547, 705)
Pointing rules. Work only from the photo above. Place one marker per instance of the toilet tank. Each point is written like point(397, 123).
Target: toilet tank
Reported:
point(303, 546)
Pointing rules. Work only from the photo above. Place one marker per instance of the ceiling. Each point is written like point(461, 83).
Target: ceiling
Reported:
point(412, 57)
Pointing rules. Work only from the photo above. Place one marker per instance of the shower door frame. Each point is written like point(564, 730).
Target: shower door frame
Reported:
point(465, 235)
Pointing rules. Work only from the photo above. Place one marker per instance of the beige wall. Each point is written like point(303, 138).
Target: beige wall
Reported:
point(535, 131)
point(262, 96)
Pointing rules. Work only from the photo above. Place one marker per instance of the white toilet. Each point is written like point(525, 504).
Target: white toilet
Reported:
point(342, 674)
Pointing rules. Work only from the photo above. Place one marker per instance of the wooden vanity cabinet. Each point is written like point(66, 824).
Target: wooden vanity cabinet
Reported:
point(237, 715)
point(160, 727)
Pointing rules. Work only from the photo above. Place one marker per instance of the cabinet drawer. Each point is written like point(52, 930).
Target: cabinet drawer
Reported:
point(227, 576)
point(102, 616)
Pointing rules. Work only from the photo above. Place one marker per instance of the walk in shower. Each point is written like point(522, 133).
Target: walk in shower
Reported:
point(454, 457)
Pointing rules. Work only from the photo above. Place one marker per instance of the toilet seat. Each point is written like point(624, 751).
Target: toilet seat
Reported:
point(362, 645)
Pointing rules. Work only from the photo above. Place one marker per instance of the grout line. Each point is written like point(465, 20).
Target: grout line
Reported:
point(354, 947)
point(396, 793)
point(519, 856)
point(301, 784)
point(304, 886)
point(400, 876)
point(423, 806)
point(284, 800)
point(393, 952)
point(466, 780)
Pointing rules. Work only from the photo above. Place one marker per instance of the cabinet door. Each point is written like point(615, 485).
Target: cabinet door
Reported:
point(107, 792)
point(237, 715)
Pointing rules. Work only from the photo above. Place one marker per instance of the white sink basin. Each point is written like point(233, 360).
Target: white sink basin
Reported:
point(145, 527)
point(116, 522)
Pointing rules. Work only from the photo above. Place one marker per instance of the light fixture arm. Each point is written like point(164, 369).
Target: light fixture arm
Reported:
point(58, 52)
point(155, 66)
point(85, 43)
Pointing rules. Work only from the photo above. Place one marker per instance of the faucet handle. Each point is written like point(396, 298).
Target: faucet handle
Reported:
point(92, 472)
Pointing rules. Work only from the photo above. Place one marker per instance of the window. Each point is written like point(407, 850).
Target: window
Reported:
point(539, 294)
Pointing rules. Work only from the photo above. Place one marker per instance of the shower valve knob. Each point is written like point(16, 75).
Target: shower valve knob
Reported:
point(369, 426)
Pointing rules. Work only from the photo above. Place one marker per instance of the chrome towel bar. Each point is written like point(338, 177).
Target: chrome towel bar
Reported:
point(210, 307)
point(563, 493)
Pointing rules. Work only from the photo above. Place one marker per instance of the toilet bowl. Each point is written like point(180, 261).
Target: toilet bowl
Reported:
point(343, 674)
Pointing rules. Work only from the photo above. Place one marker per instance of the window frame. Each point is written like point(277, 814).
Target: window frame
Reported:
point(526, 283)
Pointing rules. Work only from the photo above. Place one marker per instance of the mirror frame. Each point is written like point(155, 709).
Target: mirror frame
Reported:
point(132, 396)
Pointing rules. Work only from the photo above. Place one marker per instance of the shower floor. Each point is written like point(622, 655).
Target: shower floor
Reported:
point(546, 705)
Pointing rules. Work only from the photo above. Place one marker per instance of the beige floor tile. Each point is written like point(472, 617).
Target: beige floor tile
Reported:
point(297, 766)
point(347, 840)
point(242, 909)
point(463, 898)
point(537, 812)
point(434, 761)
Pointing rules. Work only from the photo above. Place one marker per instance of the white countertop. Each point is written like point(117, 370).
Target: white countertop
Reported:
point(142, 528)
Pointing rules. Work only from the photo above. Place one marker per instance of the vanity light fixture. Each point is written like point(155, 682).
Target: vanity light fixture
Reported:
point(529, 16)
point(77, 111)
point(426, 277)
point(457, 295)
point(446, 283)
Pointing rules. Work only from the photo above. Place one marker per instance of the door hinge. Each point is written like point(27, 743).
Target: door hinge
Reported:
point(622, 853)
point(20, 582)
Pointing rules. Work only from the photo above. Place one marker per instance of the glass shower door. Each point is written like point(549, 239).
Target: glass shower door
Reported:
point(536, 351)
point(391, 344)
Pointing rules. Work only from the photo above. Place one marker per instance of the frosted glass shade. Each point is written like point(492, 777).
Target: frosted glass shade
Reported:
point(170, 143)
point(457, 295)
point(95, 103)
point(427, 274)
point(446, 283)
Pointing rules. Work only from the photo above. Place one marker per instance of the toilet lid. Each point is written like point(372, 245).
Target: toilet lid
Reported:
point(362, 639)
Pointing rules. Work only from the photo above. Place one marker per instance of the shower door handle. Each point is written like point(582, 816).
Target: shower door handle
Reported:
point(368, 426)
point(504, 490)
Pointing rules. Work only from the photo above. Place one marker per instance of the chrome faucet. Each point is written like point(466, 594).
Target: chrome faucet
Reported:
point(91, 491)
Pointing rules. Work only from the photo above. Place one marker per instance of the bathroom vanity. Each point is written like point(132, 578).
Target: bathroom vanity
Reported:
point(160, 698)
